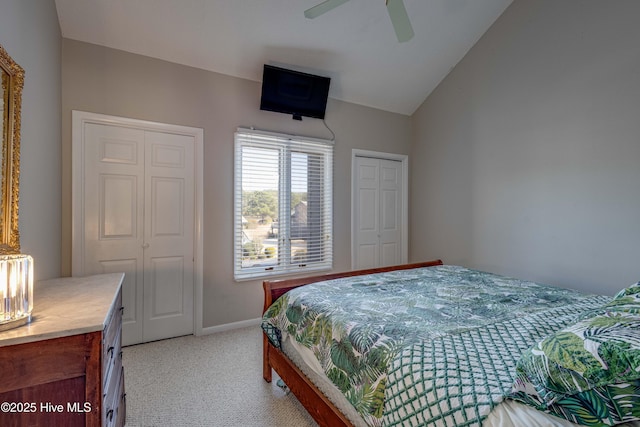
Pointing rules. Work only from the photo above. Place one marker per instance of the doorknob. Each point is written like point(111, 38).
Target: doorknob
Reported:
point(145, 246)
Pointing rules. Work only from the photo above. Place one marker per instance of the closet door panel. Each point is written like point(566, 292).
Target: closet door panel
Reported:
point(378, 220)
point(391, 212)
point(367, 213)
point(169, 235)
point(113, 213)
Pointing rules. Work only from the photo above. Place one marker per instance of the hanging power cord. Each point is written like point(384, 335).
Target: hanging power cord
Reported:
point(333, 135)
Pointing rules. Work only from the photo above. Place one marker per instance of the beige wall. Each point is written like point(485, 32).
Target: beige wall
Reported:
point(113, 82)
point(29, 31)
point(525, 160)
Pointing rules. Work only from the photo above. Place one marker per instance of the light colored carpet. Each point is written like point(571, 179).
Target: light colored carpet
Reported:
point(213, 380)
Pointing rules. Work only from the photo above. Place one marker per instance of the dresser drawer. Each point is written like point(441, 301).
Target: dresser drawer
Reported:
point(112, 371)
point(111, 337)
point(115, 404)
point(110, 377)
point(122, 405)
point(112, 364)
point(112, 402)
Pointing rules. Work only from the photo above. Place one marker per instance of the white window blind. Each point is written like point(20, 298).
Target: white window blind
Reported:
point(283, 204)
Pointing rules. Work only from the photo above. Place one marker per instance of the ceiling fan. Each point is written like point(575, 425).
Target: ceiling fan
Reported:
point(396, 9)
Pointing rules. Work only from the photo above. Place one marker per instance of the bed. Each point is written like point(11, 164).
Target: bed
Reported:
point(434, 344)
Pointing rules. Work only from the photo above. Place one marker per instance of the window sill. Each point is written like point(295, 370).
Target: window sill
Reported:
point(275, 274)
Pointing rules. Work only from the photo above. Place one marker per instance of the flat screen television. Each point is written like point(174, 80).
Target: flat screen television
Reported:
point(293, 92)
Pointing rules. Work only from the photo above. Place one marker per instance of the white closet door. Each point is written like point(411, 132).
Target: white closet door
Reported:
point(169, 229)
point(139, 204)
point(378, 221)
point(390, 213)
point(367, 213)
point(114, 214)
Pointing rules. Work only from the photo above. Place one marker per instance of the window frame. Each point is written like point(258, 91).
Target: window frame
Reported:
point(286, 145)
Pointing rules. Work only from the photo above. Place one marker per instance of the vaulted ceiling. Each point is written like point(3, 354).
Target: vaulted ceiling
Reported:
point(354, 43)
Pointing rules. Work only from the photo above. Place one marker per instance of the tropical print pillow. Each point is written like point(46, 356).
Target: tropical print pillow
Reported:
point(625, 301)
point(631, 290)
point(588, 372)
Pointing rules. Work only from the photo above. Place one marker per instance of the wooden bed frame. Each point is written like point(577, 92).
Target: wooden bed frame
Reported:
point(315, 402)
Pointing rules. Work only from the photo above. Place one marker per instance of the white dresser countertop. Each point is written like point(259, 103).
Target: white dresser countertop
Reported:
point(67, 306)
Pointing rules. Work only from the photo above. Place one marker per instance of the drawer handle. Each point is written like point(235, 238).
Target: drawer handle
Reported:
point(110, 351)
point(110, 414)
point(121, 309)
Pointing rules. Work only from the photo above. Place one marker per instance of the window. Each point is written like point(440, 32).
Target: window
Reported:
point(283, 204)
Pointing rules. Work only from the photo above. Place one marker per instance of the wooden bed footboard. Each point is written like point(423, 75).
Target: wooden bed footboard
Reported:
point(314, 401)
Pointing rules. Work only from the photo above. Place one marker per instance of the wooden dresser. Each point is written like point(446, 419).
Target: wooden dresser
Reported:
point(65, 367)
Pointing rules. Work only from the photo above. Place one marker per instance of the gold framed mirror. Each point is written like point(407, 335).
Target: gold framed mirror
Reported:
point(10, 109)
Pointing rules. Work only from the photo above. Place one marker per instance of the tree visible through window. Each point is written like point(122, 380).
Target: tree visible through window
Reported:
point(283, 204)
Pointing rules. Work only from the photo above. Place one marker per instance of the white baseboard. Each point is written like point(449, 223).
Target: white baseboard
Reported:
point(230, 326)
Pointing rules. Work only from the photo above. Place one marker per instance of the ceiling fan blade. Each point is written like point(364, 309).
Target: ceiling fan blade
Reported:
point(400, 20)
point(323, 7)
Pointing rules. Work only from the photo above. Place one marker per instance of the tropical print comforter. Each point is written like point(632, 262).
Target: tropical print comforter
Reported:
point(418, 347)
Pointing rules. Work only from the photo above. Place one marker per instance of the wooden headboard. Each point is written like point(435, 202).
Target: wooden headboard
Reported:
point(273, 289)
